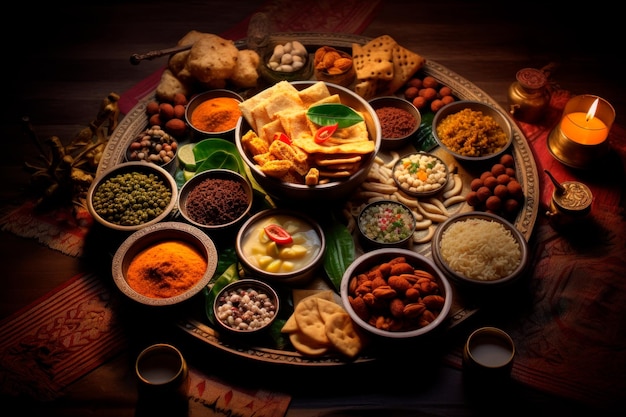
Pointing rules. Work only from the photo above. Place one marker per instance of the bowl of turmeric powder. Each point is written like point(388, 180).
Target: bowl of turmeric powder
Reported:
point(164, 264)
point(214, 113)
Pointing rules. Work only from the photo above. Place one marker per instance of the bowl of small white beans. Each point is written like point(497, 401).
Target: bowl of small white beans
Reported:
point(420, 174)
point(246, 307)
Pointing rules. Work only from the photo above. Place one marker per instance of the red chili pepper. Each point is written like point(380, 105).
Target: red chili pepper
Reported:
point(282, 137)
point(278, 234)
point(325, 132)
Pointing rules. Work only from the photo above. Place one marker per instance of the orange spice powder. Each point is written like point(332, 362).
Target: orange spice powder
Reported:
point(166, 269)
point(216, 114)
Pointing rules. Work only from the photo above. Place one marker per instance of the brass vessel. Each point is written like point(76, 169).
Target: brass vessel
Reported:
point(528, 97)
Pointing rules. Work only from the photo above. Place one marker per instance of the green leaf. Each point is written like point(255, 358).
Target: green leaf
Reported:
point(424, 140)
point(340, 251)
point(229, 275)
point(217, 153)
point(331, 113)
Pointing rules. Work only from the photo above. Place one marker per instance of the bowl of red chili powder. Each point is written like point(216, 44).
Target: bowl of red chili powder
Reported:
point(215, 200)
point(399, 120)
point(214, 113)
point(164, 264)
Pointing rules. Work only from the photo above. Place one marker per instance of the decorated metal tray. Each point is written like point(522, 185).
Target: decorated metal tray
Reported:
point(526, 170)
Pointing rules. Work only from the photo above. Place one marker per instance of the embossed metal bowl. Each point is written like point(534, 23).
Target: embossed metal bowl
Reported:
point(159, 233)
point(383, 328)
point(476, 106)
point(122, 215)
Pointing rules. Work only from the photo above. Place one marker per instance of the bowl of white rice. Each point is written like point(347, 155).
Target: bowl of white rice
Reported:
point(480, 249)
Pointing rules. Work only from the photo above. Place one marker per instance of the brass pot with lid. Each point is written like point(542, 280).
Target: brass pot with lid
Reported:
point(528, 96)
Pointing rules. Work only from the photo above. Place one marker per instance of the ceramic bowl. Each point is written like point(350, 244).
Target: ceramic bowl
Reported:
point(146, 238)
point(215, 200)
point(398, 136)
point(420, 174)
point(299, 194)
point(480, 236)
point(390, 327)
point(246, 307)
point(343, 76)
point(200, 132)
point(291, 263)
point(385, 224)
point(486, 153)
point(107, 207)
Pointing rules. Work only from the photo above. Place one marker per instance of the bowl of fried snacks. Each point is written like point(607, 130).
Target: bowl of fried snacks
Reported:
point(472, 131)
point(396, 293)
point(320, 325)
point(292, 138)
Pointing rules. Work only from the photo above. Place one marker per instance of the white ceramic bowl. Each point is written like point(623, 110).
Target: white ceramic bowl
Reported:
point(334, 190)
point(106, 211)
point(500, 263)
point(487, 110)
point(263, 259)
point(152, 235)
point(413, 328)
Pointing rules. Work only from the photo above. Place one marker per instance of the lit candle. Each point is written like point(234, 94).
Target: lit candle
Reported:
point(584, 128)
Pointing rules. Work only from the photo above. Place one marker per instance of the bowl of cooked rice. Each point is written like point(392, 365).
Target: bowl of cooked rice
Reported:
point(480, 249)
point(472, 131)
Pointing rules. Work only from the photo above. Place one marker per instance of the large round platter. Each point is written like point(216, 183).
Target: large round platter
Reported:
point(136, 121)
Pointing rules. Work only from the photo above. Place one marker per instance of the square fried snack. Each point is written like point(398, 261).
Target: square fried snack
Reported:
point(383, 66)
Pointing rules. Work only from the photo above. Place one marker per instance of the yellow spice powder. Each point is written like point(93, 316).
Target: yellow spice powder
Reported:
point(166, 269)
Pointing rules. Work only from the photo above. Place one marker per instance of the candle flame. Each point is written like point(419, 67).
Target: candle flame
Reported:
point(592, 110)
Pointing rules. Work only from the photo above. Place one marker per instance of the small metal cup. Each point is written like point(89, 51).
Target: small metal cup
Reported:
point(161, 369)
point(488, 355)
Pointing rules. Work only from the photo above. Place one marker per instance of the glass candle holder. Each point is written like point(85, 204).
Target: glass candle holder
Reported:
point(580, 138)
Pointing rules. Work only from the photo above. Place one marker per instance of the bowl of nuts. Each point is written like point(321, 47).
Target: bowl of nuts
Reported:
point(333, 66)
point(245, 307)
point(409, 298)
point(132, 195)
point(156, 146)
point(288, 61)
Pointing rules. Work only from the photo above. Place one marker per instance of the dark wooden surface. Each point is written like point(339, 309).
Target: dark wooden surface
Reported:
point(60, 72)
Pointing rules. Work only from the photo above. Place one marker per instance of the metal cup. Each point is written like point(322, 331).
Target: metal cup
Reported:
point(161, 369)
point(488, 356)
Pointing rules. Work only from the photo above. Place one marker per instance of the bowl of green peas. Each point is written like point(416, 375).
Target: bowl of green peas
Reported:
point(132, 195)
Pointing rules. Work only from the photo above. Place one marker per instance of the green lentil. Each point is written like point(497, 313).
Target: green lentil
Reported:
point(131, 198)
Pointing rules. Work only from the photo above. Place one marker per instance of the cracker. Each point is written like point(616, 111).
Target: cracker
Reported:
point(405, 64)
point(310, 320)
point(374, 59)
point(306, 345)
point(327, 308)
point(290, 326)
point(342, 334)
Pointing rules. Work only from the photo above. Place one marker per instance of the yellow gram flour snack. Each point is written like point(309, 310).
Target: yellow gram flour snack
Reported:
point(320, 325)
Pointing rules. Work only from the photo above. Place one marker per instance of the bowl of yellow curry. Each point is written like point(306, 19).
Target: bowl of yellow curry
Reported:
point(308, 141)
point(164, 264)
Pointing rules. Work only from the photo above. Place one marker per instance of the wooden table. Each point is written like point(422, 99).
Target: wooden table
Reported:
point(82, 55)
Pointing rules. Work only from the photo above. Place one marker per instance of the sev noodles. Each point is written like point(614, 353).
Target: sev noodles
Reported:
point(480, 249)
